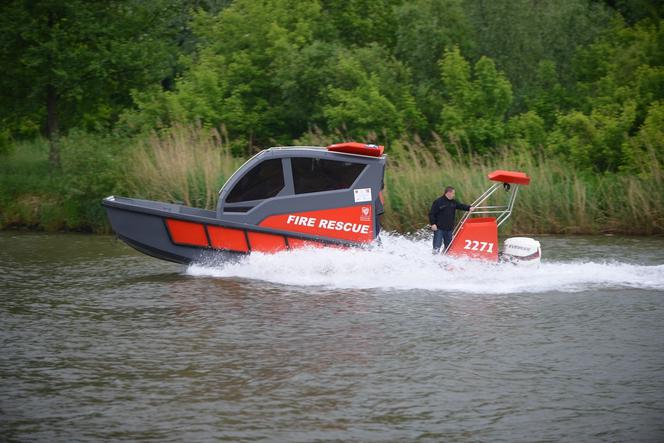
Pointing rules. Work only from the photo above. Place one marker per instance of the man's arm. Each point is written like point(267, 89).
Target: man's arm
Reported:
point(462, 206)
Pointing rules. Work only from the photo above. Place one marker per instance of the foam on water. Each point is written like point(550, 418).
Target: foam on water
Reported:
point(407, 263)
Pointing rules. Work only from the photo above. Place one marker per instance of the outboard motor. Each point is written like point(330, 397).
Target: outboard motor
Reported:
point(521, 251)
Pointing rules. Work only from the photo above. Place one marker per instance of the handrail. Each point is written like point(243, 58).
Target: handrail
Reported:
point(504, 210)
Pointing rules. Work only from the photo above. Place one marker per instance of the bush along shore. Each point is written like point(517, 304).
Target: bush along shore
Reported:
point(189, 164)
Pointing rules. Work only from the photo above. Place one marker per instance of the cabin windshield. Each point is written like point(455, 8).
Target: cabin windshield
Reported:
point(264, 180)
point(317, 174)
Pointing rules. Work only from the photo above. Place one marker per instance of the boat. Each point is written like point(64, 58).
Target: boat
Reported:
point(475, 236)
point(282, 198)
point(286, 198)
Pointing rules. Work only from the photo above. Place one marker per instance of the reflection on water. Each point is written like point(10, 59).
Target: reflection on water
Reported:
point(102, 343)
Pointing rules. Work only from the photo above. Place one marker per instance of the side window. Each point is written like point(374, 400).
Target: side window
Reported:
point(316, 174)
point(265, 180)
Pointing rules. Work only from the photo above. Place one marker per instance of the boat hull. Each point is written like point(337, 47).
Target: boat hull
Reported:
point(148, 234)
point(185, 235)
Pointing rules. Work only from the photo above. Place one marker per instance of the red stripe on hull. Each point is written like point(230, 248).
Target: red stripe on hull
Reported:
point(227, 238)
point(298, 243)
point(261, 242)
point(187, 233)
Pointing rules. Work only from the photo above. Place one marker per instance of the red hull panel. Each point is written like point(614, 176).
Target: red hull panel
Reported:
point(262, 242)
point(187, 233)
point(477, 239)
point(298, 243)
point(227, 238)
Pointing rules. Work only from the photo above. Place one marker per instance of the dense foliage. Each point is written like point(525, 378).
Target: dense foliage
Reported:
point(581, 81)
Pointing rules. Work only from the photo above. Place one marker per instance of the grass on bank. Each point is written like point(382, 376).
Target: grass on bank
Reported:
point(189, 164)
point(28, 191)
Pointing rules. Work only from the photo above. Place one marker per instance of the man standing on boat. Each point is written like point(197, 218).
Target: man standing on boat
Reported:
point(441, 218)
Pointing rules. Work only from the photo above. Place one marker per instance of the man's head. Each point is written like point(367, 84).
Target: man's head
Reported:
point(449, 192)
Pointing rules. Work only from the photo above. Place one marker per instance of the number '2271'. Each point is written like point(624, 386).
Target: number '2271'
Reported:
point(474, 245)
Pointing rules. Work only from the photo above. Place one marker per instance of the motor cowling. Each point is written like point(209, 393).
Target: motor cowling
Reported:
point(521, 251)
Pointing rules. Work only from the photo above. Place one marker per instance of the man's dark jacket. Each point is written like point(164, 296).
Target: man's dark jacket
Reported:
point(442, 212)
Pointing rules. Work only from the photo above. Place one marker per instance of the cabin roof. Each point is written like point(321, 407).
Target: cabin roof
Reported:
point(318, 149)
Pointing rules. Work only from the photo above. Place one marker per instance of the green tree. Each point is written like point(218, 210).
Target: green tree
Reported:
point(73, 63)
point(645, 151)
point(636, 10)
point(620, 76)
point(370, 92)
point(235, 76)
point(276, 83)
point(519, 34)
point(625, 63)
point(548, 97)
point(475, 107)
point(360, 22)
point(526, 130)
point(425, 29)
point(593, 141)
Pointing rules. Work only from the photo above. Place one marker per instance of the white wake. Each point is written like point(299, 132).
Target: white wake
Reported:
point(406, 263)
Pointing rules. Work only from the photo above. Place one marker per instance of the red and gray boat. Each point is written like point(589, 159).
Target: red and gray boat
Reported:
point(282, 198)
point(291, 197)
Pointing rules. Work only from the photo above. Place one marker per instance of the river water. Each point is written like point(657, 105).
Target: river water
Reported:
point(101, 343)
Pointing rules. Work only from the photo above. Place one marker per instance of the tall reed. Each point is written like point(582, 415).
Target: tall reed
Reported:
point(559, 199)
point(187, 164)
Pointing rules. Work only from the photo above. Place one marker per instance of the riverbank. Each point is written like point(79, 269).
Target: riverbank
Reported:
point(190, 164)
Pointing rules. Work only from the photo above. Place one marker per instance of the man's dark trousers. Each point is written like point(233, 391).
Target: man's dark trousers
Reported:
point(440, 236)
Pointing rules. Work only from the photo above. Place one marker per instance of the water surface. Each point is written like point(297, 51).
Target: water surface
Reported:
point(102, 343)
